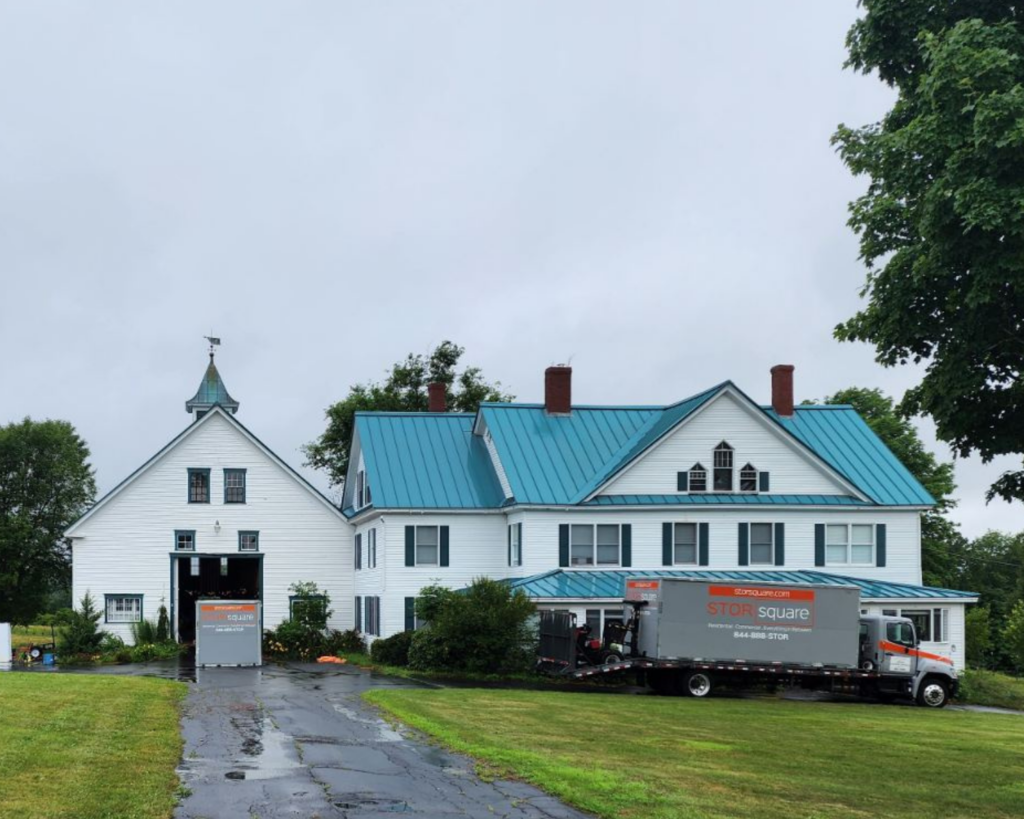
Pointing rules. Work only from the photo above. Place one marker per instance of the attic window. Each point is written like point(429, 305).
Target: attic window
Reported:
point(698, 478)
point(362, 490)
point(748, 479)
point(723, 468)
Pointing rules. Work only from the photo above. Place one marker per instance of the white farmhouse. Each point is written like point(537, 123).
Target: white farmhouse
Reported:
point(563, 501)
point(568, 501)
point(214, 513)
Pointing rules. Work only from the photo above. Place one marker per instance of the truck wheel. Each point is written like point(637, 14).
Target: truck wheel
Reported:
point(933, 693)
point(611, 657)
point(697, 684)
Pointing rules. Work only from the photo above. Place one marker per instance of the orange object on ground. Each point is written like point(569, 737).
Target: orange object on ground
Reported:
point(330, 658)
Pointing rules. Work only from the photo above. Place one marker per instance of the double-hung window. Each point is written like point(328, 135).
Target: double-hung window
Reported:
point(723, 467)
point(427, 546)
point(199, 486)
point(363, 497)
point(515, 551)
point(371, 549)
point(184, 541)
point(123, 608)
point(595, 544)
point(372, 615)
point(234, 486)
point(928, 623)
point(248, 541)
point(698, 478)
point(748, 478)
point(762, 544)
point(684, 544)
point(850, 544)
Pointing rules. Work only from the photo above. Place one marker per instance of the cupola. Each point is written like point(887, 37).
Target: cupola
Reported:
point(211, 392)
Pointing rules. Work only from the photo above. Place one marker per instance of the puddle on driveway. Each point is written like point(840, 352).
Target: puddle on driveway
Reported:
point(385, 733)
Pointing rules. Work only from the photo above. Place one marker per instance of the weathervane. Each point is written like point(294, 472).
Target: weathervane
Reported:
point(214, 342)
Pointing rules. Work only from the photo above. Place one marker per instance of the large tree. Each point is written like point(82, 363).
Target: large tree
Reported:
point(46, 483)
point(942, 223)
point(941, 541)
point(404, 390)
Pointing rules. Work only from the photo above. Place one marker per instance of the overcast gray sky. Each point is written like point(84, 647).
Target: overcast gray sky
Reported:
point(646, 188)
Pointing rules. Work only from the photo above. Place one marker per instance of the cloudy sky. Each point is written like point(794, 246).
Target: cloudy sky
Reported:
point(645, 189)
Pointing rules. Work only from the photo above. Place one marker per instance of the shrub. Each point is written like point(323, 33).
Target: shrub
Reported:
point(305, 636)
point(163, 626)
point(978, 636)
point(1013, 636)
point(81, 635)
point(487, 629)
point(143, 632)
point(345, 642)
point(393, 650)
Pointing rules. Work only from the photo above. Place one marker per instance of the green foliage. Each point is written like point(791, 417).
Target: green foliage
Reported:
point(940, 538)
point(144, 632)
point(81, 636)
point(305, 635)
point(345, 642)
point(393, 650)
point(487, 629)
point(163, 626)
point(991, 688)
point(941, 225)
point(978, 637)
point(46, 483)
point(311, 608)
point(404, 390)
point(1013, 636)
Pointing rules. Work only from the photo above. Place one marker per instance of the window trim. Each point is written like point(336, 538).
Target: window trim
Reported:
point(191, 533)
point(697, 468)
point(723, 448)
point(849, 545)
point(750, 544)
point(930, 610)
point(195, 470)
point(516, 545)
point(128, 595)
point(245, 485)
point(749, 469)
point(244, 532)
point(371, 548)
point(594, 545)
point(416, 545)
point(696, 543)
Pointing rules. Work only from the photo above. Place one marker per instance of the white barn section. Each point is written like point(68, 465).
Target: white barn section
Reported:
point(213, 514)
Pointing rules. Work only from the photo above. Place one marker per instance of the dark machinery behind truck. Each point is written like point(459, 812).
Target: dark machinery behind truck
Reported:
point(683, 636)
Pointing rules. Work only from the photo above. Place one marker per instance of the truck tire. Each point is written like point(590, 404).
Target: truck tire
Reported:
point(933, 693)
point(611, 657)
point(697, 684)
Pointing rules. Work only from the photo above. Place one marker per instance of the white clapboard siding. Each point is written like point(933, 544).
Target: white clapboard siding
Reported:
point(125, 546)
point(754, 441)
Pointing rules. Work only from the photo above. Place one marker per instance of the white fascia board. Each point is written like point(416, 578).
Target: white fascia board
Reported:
point(919, 601)
point(754, 411)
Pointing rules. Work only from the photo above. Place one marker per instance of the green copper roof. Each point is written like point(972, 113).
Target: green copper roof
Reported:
point(211, 391)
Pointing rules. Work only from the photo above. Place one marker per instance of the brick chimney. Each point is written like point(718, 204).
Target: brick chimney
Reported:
point(782, 390)
point(436, 401)
point(558, 390)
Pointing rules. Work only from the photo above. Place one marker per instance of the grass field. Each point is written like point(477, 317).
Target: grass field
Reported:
point(667, 758)
point(87, 747)
point(31, 634)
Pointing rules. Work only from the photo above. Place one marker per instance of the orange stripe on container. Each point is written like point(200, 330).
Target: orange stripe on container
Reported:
point(761, 592)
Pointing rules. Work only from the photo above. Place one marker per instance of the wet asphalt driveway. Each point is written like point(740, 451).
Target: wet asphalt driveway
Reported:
point(298, 741)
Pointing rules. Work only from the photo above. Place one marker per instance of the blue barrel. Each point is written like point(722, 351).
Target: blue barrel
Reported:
point(47, 659)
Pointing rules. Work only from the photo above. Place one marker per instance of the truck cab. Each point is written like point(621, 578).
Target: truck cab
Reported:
point(890, 647)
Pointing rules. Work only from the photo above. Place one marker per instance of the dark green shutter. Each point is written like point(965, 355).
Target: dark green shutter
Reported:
point(410, 545)
point(563, 544)
point(444, 545)
point(744, 540)
point(359, 551)
point(520, 543)
point(703, 544)
point(819, 544)
point(410, 613)
point(627, 545)
point(509, 545)
point(762, 482)
point(682, 481)
point(359, 613)
point(780, 544)
point(880, 544)
point(666, 544)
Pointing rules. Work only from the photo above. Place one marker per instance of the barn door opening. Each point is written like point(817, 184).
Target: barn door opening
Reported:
point(213, 577)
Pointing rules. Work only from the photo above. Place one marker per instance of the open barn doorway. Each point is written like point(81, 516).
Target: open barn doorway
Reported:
point(212, 577)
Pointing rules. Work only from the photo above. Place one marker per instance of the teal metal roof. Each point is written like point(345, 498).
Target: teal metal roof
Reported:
point(561, 459)
point(426, 460)
point(711, 499)
point(843, 439)
point(211, 391)
point(562, 584)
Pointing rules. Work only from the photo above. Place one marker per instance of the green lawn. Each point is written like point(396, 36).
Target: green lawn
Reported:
point(626, 756)
point(88, 746)
point(23, 635)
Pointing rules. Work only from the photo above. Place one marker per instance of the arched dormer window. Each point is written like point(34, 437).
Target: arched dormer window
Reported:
point(723, 468)
point(748, 478)
point(698, 478)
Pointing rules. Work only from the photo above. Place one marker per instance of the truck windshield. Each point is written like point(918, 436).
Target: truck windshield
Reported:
point(900, 633)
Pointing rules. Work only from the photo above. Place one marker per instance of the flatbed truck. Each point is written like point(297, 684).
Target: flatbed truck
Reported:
point(688, 636)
